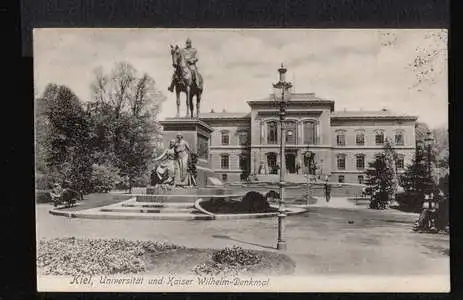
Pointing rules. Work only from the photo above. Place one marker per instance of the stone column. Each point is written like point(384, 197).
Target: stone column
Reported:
point(317, 130)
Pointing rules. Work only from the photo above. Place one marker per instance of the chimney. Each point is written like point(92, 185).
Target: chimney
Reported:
point(212, 110)
point(224, 110)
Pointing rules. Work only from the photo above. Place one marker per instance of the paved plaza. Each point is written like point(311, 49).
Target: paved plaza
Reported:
point(323, 241)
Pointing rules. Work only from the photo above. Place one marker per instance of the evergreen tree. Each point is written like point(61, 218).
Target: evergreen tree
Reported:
point(391, 159)
point(415, 180)
point(380, 182)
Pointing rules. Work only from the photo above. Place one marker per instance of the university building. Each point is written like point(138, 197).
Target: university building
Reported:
point(319, 140)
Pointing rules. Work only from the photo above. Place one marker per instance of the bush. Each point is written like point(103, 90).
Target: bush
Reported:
point(379, 200)
point(254, 202)
point(104, 177)
point(410, 201)
point(42, 196)
point(42, 182)
point(236, 256)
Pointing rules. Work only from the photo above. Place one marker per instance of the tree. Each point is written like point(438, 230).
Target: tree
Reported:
point(67, 137)
point(125, 109)
point(380, 182)
point(415, 181)
point(391, 159)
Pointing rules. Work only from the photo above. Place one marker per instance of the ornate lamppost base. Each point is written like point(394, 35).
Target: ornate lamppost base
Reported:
point(281, 244)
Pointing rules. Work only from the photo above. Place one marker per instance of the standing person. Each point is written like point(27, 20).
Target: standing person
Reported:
point(327, 191)
point(182, 150)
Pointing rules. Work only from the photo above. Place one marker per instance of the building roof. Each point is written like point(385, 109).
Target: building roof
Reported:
point(383, 113)
point(224, 115)
point(295, 97)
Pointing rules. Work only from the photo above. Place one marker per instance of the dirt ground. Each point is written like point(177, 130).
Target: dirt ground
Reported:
point(323, 241)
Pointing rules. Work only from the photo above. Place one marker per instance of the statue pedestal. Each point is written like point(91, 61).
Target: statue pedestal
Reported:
point(197, 134)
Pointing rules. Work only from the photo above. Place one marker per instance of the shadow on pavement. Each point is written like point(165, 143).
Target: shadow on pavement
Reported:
point(226, 237)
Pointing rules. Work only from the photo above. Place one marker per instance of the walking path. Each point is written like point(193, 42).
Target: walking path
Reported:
point(323, 241)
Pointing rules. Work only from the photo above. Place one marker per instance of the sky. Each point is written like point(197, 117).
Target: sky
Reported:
point(357, 68)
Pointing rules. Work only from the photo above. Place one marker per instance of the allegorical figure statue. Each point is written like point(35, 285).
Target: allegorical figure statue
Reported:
point(186, 77)
point(182, 150)
point(165, 172)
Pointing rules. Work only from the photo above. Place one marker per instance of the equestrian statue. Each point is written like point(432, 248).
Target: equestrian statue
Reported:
point(186, 77)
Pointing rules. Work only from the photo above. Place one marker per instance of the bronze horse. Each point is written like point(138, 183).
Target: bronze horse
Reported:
point(185, 82)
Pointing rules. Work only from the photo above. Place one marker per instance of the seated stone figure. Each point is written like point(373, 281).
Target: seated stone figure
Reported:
point(164, 173)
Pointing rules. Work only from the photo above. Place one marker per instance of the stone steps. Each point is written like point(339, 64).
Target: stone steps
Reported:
point(149, 210)
point(158, 205)
point(131, 215)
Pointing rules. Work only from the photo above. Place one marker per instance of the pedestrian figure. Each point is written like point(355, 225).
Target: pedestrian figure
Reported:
point(327, 192)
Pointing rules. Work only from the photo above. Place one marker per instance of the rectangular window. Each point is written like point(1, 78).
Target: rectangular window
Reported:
point(360, 139)
point(243, 138)
point(341, 140)
point(225, 161)
point(341, 179)
point(225, 138)
point(341, 162)
point(400, 163)
point(399, 139)
point(360, 162)
point(224, 177)
point(379, 138)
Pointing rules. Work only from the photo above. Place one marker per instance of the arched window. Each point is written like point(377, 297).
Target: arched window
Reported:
point(225, 161)
point(225, 137)
point(272, 132)
point(399, 138)
point(309, 162)
point(360, 138)
point(272, 163)
point(360, 161)
point(341, 161)
point(340, 138)
point(379, 137)
point(291, 132)
point(310, 133)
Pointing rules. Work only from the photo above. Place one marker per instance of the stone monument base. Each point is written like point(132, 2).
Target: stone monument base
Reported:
point(197, 134)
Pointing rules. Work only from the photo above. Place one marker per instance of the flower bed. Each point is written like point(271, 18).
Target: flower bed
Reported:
point(71, 256)
point(236, 260)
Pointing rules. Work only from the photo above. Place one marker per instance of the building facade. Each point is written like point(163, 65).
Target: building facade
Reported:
point(319, 140)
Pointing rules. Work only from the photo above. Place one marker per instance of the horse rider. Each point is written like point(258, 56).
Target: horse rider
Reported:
point(191, 57)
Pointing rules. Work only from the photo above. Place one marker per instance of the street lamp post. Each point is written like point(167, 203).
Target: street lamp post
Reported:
point(282, 94)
